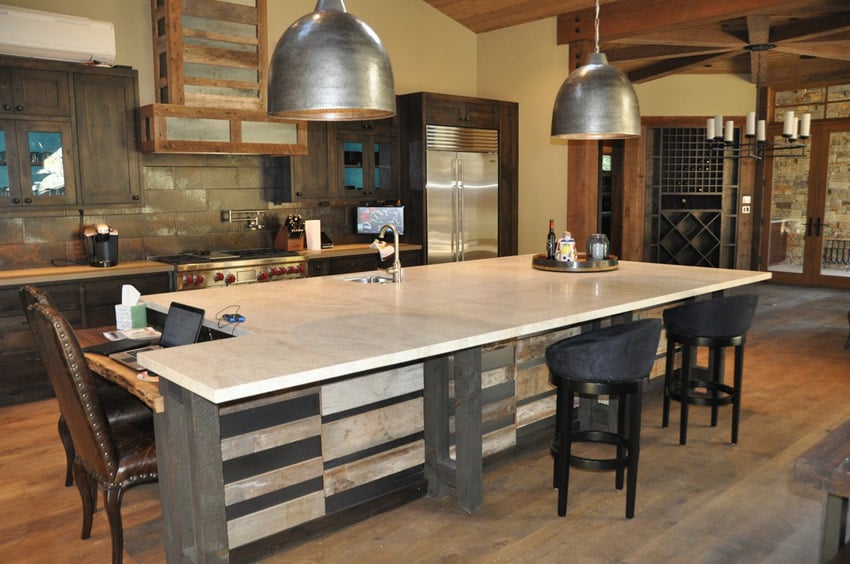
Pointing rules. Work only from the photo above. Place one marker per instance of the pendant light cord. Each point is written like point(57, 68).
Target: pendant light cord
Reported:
point(596, 27)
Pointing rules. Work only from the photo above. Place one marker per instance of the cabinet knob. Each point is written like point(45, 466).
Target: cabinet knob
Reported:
point(16, 200)
point(7, 107)
point(136, 197)
point(27, 200)
point(299, 194)
point(19, 108)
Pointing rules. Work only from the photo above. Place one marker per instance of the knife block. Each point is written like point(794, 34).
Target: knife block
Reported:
point(289, 241)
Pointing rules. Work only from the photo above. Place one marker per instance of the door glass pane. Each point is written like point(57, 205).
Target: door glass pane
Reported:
point(352, 154)
point(835, 245)
point(383, 166)
point(48, 169)
point(788, 205)
point(5, 189)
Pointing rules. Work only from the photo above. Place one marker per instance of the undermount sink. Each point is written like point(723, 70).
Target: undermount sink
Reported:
point(372, 279)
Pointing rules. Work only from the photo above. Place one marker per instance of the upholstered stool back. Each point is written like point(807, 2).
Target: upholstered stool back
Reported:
point(721, 317)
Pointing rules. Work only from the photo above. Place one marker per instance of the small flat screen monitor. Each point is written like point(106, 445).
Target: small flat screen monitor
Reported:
point(370, 219)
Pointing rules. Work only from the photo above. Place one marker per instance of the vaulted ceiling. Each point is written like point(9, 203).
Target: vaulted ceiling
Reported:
point(800, 42)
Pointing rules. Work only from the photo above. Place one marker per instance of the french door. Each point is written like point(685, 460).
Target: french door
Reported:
point(807, 237)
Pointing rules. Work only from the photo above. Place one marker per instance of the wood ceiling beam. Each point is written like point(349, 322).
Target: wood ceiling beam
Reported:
point(758, 33)
point(658, 52)
point(624, 19)
point(813, 28)
point(670, 67)
point(837, 50)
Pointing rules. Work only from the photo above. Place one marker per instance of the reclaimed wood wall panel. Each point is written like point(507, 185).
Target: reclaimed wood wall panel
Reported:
point(271, 451)
point(202, 49)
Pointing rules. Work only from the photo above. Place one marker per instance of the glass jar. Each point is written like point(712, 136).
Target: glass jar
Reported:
point(597, 247)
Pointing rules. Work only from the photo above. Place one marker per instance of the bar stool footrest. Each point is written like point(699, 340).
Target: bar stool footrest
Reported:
point(599, 437)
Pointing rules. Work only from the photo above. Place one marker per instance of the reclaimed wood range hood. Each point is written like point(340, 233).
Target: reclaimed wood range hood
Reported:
point(210, 75)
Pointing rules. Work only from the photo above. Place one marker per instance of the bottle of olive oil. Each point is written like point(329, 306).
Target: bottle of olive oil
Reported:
point(551, 241)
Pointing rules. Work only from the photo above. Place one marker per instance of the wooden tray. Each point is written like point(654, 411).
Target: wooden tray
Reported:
point(540, 262)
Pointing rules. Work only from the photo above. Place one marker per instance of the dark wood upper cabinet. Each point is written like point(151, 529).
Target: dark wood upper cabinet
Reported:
point(67, 135)
point(110, 171)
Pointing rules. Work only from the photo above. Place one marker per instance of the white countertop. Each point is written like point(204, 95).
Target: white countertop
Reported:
point(309, 330)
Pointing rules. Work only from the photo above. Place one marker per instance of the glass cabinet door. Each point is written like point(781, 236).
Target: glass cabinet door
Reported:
point(5, 187)
point(40, 170)
point(383, 166)
point(352, 159)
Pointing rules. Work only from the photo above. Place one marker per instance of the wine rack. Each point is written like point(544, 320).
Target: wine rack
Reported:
point(694, 189)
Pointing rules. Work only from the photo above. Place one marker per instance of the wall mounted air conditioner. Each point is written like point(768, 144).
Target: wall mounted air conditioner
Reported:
point(45, 35)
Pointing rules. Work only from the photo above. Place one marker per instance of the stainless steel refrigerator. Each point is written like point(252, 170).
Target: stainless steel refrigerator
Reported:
point(462, 193)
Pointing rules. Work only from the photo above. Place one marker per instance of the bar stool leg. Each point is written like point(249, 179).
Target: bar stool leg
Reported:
point(668, 382)
point(622, 450)
point(688, 358)
point(559, 392)
point(736, 394)
point(716, 371)
point(635, 406)
point(564, 448)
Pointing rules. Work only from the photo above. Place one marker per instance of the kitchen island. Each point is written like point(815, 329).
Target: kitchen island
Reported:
point(334, 391)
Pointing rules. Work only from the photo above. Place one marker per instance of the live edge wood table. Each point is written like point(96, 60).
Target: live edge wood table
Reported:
point(827, 466)
point(333, 388)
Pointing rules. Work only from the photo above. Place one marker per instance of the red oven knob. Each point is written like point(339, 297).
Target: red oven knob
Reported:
point(198, 278)
point(299, 268)
point(230, 278)
point(263, 275)
point(275, 271)
point(187, 279)
point(218, 276)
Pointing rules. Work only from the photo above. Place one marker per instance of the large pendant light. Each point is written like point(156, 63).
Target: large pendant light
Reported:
point(596, 101)
point(330, 65)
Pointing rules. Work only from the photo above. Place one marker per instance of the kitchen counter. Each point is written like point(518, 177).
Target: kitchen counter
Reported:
point(335, 393)
point(305, 331)
point(51, 274)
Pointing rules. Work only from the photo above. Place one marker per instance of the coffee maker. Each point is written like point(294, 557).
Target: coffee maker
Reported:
point(101, 245)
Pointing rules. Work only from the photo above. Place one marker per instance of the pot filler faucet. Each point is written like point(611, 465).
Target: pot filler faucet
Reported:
point(395, 270)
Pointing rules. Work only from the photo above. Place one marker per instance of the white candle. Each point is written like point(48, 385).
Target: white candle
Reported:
point(788, 124)
point(718, 127)
point(761, 133)
point(729, 131)
point(709, 129)
point(796, 128)
point(751, 124)
point(806, 126)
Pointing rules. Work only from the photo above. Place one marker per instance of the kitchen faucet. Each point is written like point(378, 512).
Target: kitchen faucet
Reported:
point(395, 270)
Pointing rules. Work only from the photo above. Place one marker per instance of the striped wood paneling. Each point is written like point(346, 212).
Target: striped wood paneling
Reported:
point(272, 465)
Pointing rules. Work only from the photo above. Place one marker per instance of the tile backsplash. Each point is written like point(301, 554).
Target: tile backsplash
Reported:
point(183, 197)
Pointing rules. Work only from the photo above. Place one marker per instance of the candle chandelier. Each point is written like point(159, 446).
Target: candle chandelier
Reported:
point(795, 129)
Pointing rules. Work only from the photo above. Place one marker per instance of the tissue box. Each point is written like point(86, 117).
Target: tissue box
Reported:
point(131, 317)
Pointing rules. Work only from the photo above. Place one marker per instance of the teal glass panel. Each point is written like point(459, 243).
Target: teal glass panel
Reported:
point(46, 164)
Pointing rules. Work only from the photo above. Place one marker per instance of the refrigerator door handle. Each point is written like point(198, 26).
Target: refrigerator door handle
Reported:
point(460, 231)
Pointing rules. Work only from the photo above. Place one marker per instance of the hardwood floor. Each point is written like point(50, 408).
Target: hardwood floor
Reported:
point(707, 501)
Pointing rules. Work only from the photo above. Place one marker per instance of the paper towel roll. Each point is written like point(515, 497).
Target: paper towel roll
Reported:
point(313, 231)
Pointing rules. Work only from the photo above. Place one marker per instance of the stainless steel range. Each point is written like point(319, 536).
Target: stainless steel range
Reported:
point(208, 269)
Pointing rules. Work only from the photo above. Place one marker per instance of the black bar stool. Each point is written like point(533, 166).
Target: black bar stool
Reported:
point(613, 362)
point(716, 324)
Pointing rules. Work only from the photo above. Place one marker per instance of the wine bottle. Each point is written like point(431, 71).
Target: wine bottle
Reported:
point(550, 241)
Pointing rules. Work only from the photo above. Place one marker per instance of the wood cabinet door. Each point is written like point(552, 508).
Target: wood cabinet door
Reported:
point(310, 178)
point(110, 169)
point(37, 163)
point(35, 92)
point(461, 112)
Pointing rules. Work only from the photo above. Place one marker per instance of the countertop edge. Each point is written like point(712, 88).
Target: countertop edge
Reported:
point(53, 274)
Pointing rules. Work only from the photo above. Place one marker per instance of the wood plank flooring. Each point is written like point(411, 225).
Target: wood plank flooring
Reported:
point(707, 501)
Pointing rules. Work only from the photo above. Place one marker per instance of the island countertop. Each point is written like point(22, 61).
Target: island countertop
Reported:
point(299, 332)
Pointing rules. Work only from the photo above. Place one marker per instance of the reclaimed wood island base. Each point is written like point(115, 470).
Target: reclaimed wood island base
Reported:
point(334, 393)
